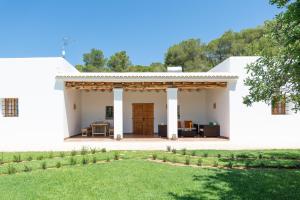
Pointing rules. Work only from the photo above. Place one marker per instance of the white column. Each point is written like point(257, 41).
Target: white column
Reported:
point(118, 112)
point(172, 112)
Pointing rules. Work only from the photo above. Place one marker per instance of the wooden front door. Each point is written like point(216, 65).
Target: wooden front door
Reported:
point(143, 118)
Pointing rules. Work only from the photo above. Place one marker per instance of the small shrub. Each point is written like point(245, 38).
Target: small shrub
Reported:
point(17, 158)
point(272, 157)
point(107, 159)
point(232, 156)
point(93, 150)
point(84, 161)
point(297, 165)
point(116, 155)
point(73, 161)
point(11, 169)
point(62, 154)
point(2, 159)
point(262, 164)
point(27, 168)
point(103, 150)
point(247, 164)
point(174, 160)
point(29, 158)
point(187, 160)
point(199, 162)
point(219, 155)
point(58, 165)
point(193, 153)
point(164, 158)
point(183, 151)
point(154, 156)
point(94, 160)
point(230, 165)
point(40, 157)
point(83, 151)
point(73, 153)
point(168, 148)
point(174, 151)
point(44, 165)
point(242, 155)
point(50, 155)
point(205, 155)
point(260, 156)
point(216, 163)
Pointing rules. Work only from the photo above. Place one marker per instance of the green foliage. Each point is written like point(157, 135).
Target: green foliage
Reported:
point(44, 165)
point(103, 150)
point(27, 168)
point(73, 161)
point(187, 160)
point(164, 158)
point(11, 169)
point(29, 158)
point(116, 155)
point(174, 151)
point(50, 154)
point(277, 74)
point(58, 165)
point(84, 161)
point(119, 62)
point(93, 150)
point(73, 153)
point(94, 160)
point(62, 154)
point(183, 151)
point(199, 162)
point(189, 54)
point(83, 151)
point(17, 158)
point(93, 61)
point(154, 156)
point(40, 157)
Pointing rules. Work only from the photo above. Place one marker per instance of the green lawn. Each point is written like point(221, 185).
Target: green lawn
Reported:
point(136, 176)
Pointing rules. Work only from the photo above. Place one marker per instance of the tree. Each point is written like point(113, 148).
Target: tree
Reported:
point(93, 61)
point(189, 54)
point(119, 62)
point(276, 75)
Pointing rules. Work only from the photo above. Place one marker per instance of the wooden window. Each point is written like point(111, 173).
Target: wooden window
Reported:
point(109, 112)
point(10, 107)
point(278, 106)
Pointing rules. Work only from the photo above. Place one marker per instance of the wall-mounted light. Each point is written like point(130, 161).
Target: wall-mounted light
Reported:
point(215, 105)
point(74, 106)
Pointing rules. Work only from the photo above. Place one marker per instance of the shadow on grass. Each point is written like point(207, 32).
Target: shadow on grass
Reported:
point(244, 184)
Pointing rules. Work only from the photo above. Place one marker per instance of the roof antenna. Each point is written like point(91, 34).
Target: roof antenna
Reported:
point(65, 42)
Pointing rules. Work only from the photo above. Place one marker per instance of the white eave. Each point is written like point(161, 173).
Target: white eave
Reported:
point(148, 76)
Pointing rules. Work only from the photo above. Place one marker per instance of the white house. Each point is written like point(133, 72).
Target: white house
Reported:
point(47, 104)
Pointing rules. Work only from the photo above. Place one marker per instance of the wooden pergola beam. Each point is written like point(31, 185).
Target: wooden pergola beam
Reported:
point(143, 85)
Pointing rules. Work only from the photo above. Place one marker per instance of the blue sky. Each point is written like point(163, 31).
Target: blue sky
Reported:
point(144, 28)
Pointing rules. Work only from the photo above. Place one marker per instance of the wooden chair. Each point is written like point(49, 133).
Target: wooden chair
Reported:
point(188, 124)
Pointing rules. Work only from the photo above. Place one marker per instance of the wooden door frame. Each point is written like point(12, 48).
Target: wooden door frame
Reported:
point(133, 121)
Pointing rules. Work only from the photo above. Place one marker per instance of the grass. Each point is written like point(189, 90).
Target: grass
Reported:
point(135, 175)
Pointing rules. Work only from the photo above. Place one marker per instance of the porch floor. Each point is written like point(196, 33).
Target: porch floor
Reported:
point(132, 137)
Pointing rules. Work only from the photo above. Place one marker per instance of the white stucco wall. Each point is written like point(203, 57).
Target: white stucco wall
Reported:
point(256, 124)
point(41, 105)
point(72, 112)
point(220, 114)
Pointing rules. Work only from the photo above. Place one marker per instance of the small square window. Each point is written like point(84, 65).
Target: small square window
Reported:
point(10, 107)
point(109, 112)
